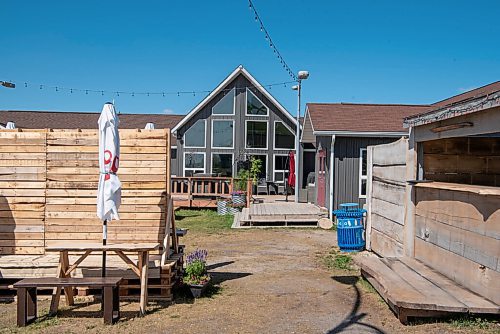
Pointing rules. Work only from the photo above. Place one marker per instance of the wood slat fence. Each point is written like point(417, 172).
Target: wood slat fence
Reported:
point(48, 188)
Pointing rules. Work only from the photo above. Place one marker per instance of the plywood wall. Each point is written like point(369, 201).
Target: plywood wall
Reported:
point(386, 197)
point(63, 172)
point(458, 233)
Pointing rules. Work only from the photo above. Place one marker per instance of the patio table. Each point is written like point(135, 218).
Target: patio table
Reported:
point(65, 268)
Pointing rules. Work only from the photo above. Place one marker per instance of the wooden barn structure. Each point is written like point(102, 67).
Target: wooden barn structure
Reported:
point(48, 188)
point(434, 210)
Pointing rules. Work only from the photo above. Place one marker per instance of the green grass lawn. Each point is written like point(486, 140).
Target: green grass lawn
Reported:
point(204, 221)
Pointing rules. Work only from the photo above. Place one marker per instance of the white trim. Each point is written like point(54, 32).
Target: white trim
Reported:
point(267, 134)
point(331, 188)
point(234, 104)
point(212, 161)
point(246, 104)
point(303, 125)
point(247, 156)
point(212, 133)
point(184, 163)
point(173, 147)
point(279, 170)
point(222, 85)
point(204, 136)
point(274, 136)
point(362, 177)
point(361, 133)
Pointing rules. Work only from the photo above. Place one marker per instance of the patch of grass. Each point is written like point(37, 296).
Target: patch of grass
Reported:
point(203, 220)
point(337, 260)
point(366, 286)
point(44, 322)
point(471, 321)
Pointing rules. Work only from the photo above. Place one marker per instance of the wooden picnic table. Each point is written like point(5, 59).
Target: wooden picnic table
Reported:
point(65, 268)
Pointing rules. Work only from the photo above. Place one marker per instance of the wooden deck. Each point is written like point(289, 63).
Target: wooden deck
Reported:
point(281, 214)
point(413, 289)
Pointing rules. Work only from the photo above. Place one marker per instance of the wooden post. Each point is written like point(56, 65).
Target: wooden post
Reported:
point(231, 185)
point(249, 191)
point(369, 186)
point(143, 267)
point(190, 191)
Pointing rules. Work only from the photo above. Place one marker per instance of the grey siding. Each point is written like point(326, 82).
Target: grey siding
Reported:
point(307, 130)
point(346, 166)
point(239, 151)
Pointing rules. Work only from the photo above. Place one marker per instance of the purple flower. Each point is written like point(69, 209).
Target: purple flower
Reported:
point(197, 255)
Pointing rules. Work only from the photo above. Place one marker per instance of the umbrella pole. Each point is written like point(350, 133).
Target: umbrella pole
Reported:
point(104, 241)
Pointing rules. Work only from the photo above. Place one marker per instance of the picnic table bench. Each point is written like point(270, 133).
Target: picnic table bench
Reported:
point(26, 295)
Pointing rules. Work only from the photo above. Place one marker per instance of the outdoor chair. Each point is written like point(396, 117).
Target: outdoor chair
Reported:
point(262, 186)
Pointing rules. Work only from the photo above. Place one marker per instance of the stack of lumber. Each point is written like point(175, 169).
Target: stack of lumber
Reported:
point(22, 192)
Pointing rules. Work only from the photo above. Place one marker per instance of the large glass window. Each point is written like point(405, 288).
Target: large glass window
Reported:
point(194, 163)
point(263, 160)
point(283, 137)
point(225, 106)
point(255, 106)
point(280, 168)
point(222, 164)
point(363, 162)
point(195, 135)
point(256, 134)
point(222, 133)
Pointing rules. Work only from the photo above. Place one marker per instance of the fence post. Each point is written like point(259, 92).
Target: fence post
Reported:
point(190, 192)
point(249, 191)
point(231, 185)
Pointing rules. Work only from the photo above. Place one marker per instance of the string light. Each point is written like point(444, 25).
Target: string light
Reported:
point(102, 92)
point(271, 43)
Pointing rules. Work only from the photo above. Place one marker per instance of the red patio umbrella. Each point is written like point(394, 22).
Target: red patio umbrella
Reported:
point(291, 169)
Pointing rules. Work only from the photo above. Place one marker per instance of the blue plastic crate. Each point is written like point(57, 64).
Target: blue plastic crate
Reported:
point(350, 227)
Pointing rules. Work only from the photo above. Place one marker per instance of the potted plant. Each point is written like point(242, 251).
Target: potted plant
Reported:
point(195, 274)
point(222, 205)
point(232, 208)
point(239, 197)
point(252, 174)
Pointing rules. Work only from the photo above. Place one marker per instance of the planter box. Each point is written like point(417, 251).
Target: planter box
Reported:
point(232, 211)
point(197, 289)
point(222, 207)
point(239, 199)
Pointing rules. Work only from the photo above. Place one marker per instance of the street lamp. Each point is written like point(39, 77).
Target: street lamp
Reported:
point(303, 75)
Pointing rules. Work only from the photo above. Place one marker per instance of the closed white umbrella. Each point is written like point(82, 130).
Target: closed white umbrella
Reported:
point(150, 126)
point(109, 191)
point(10, 125)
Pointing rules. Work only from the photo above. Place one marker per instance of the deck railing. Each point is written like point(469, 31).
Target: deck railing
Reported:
point(203, 191)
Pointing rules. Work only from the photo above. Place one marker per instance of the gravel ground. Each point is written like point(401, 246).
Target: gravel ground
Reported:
point(266, 281)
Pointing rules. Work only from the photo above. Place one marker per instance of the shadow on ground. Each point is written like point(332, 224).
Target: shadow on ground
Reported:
point(353, 318)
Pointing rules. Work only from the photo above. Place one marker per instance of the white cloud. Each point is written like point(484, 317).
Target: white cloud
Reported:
point(168, 111)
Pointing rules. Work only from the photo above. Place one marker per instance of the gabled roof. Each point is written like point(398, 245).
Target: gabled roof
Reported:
point(469, 95)
point(83, 120)
point(239, 70)
point(361, 119)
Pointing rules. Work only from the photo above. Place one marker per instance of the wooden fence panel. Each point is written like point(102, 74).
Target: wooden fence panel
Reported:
point(48, 188)
point(22, 192)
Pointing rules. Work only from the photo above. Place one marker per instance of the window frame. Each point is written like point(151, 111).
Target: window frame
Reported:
point(184, 163)
point(246, 134)
point(246, 104)
point(248, 155)
point(279, 170)
point(274, 137)
point(212, 133)
point(204, 136)
point(361, 176)
point(233, 90)
point(212, 161)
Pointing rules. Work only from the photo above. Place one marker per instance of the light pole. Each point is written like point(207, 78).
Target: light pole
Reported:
point(303, 75)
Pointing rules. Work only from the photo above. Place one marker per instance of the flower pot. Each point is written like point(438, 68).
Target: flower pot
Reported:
point(197, 289)
point(232, 210)
point(222, 207)
point(239, 199)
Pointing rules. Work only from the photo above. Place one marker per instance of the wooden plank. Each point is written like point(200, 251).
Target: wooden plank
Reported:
point(474, 303)
point(478, 248)
point(388, 192)
point(482, 280)
point(388, 227)
point(442, 300)
point(396, 174)
point(391, 153)
point(383, 245)
point(391, 211)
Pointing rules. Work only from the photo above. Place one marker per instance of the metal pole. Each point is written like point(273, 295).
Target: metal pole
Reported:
point(297, 144)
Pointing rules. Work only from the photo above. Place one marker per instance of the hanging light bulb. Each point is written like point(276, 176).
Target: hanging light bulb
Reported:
point(86, 92)
point(57, 89)
point(41, 86)
point(71, 90)
point(102, 92)
point(25, 85)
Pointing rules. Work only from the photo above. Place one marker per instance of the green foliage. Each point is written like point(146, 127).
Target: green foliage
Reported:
point(255, 168)
point(252, 174)
point(471, 321)
point(202, 221)
point(196, 268)
point(336, 260)
point(241, 182)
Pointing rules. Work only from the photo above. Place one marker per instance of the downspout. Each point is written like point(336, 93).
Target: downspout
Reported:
point(331, 185)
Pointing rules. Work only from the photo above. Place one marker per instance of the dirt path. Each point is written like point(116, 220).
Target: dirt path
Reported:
point(271, 281)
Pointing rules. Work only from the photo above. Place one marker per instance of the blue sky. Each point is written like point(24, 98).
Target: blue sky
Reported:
point(356, 51)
